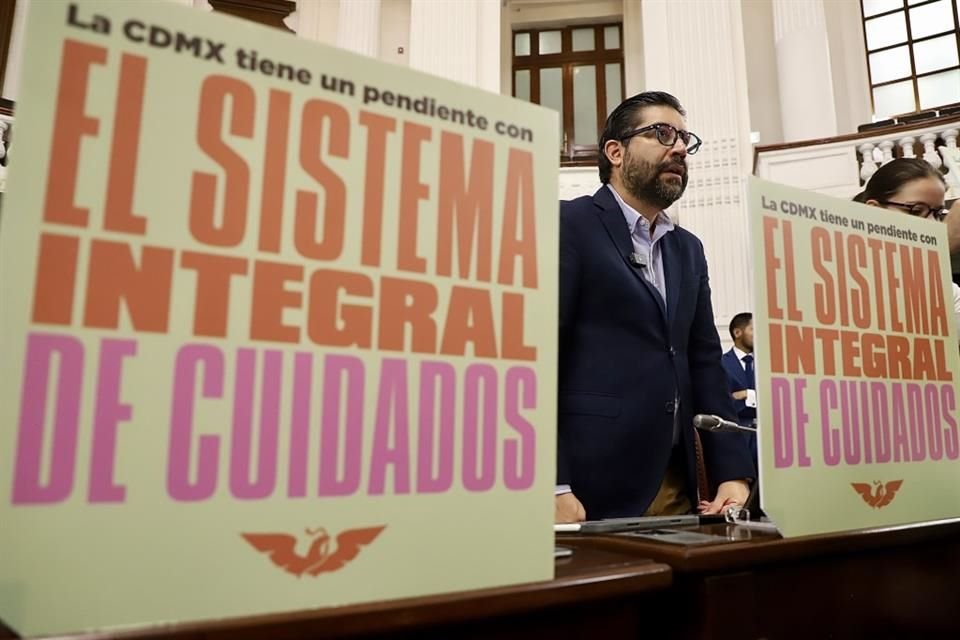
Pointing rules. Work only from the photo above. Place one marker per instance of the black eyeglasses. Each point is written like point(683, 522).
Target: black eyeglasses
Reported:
point(667, 136)
point(921, 210)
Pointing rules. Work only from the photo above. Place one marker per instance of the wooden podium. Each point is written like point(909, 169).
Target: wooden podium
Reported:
point(896, 582)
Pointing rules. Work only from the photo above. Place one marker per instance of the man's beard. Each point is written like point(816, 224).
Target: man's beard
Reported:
point(645, 181)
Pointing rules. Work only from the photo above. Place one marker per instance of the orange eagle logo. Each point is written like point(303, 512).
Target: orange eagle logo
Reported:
point(319, 558)
point(879, 495)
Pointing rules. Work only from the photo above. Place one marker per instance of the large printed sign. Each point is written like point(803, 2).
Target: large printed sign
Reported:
point(857, 360)
point(277, 326)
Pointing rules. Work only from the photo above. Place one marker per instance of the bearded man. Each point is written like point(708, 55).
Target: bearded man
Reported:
point(639, 351)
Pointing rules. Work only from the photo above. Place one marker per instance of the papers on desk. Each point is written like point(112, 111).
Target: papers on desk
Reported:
point(615, 525)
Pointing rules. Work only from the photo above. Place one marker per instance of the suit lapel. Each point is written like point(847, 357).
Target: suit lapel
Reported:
point(736, 366)
point(670, 250)
point(612, 218)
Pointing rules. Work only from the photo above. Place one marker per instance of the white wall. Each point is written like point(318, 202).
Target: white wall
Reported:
point(762, 85)
point(848, 58)
point(848, 68)
point(394, 31)
point(563, 12)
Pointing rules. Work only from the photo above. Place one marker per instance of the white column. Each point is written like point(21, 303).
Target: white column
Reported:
point(358, 26)
point(632, 47)
point(11, 78)
point(458, 40)
point(803, 70)
point(315, 20)
point(710, 80)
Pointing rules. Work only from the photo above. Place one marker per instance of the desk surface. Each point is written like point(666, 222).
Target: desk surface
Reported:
point(747, 548)
point(591, 576)
point(893, 582)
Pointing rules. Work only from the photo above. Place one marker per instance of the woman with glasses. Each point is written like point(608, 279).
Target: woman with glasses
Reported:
point(914, 187)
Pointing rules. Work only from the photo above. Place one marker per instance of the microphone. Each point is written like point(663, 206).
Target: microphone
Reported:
point(716, 423)
point(638, 259)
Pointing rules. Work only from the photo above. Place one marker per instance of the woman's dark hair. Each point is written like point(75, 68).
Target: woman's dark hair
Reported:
point(891, 177)
point(623, 119)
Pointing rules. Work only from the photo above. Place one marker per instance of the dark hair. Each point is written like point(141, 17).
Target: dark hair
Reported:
point(622, 120)
point(740, 321)
point(891, 177)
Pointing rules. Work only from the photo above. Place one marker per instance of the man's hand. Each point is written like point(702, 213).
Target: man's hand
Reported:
point(739, 395)
point(728, 493)
point(568, 509)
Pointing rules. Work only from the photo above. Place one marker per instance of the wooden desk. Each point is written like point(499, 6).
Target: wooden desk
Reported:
point(895, 582)
point(596, 592)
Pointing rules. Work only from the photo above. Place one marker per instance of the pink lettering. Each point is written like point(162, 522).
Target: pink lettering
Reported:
point(931, 396)
point(918, 436)
point(179, 485)
point(300, 424)
point(241, 484)
point(479, 460)
point(881, 421)
point(831, 435)
point(951, 444)
point(851, 423)
point(28, 486)
point(108, 413)
point(435, 452)
point(519, 469)
point(391, 412)
point(335, 367)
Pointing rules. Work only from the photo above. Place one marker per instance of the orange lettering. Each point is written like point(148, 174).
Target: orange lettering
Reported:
point(354, 323)
point(316, 114)
point(469, 319)
point(859, 299)
point(212, 302)
point(70, 125)
point(850, 353)
point(114, 278)
point(274, 170)
point(412, 191)
point(773, 264)
point(938, 309)
point(512, 329)
point(799, 349)
point(823, 292)
point(56, 279)
point(518, 201)
point(270, 297)
point(889, 250)
point(214, 95)
point(466, 209)
point(404, 302)
point(118, 212)
point(377, 129)
point(913, 286)
point(874, 359)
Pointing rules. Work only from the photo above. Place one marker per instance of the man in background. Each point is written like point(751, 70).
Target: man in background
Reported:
point(741, 380)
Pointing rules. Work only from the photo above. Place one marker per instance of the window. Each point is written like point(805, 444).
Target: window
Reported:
point(913, 54)
point(577, 71)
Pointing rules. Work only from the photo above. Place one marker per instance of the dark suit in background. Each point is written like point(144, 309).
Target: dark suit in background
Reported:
point(625, 355)
point(739, 380)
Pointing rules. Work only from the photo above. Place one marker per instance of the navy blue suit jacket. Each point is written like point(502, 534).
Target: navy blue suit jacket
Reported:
point(625, 356)
point(737, 381)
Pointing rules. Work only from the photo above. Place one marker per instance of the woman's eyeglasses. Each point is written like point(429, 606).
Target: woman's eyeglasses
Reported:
point(920, 210)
